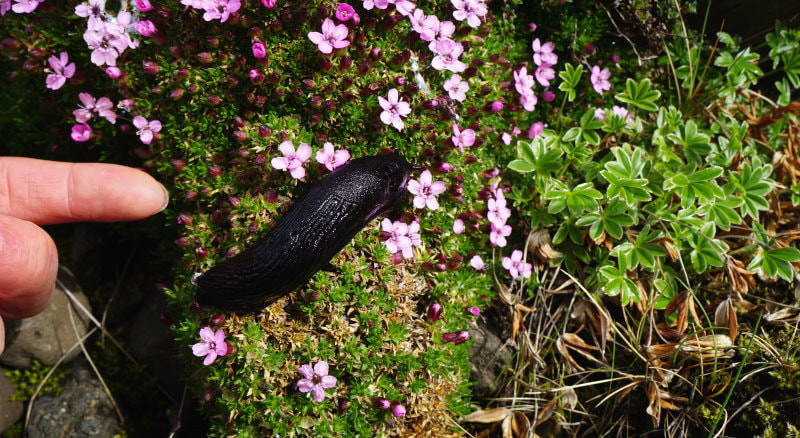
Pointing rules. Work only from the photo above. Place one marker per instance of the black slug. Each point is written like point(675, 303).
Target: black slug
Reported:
point(307, 237)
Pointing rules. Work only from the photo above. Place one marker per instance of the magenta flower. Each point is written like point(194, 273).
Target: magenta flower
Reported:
point(62, 70)
point(456, 88)
point(458, 226)
point(25, 6)
point(470, 10)
point(394, 109)
point(220, 9)
point(474, 311)
point(544, 74)
point(93, 11)
point(462, 139)
point(402, 238)
point(477, 263)
point(380, 403)
point(425, 190)
point(516, 265)
point(259, 50)
point(269, 4)
point(292, 161)
point(543, 53)
point(101, 107)
point(332, 158)
point(424, 25)
point(344, 12)
point(548, 96)
point(144, 5)
point(5, 6)
point(398, 410)
point(81, 132)
point(599, 79)
point(528, 101)
point(114, 72)
point(146, 129)
point(332, 37)
point(213, 345)
point(315, 380)
point(434, 312)
point(498, 212)
point(146, 28)
point(535, 130)
point(404, 7)
point(447, 54)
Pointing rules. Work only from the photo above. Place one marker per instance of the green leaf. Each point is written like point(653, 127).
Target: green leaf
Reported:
point(706, 250)
point(624, 176)
point(521, 166)
point(583, 197)
point(722, 212)
point(639, 94)
point(696, 145)
point(752, 184)
point(791, 66)
point(570, 78)
point(639, 252)
point(610, 220)
point(776, 262)
point(618, 284)
point(541, 155)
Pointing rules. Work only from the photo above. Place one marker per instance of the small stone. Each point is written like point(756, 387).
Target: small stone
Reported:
point(10, 412)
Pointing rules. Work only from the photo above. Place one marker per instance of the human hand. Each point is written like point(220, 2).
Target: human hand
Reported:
point(37, 192)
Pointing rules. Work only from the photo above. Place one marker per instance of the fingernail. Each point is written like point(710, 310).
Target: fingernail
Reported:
point(166, 197)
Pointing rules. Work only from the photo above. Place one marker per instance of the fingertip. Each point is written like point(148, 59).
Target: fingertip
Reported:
point(28, 268)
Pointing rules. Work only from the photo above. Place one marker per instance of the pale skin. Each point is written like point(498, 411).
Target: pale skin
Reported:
point(37, 192)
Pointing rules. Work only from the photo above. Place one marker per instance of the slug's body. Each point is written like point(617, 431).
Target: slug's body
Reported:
point(306, 238)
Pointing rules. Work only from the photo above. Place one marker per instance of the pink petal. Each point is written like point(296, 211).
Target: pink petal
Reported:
point(432, 203)
point(207, 334)
point(306, 371)
point(146, 136)
point(317, 393)
point(419, 201)
point(286, 148)
point(325, 48)
point(315, 37)
point(438, 187)
point(386, 117)
point(304, 385)
point(200, 349)
point(86, 99)
point(303, 152)
point(139, 122)
point(414, 187)
point(280, 163)
point(69, 70)
point(393, 96)
point(386, 225)
point(321, 368)
point(341, 157)
point(210, 358)
point(155, 126)
point(297, 172)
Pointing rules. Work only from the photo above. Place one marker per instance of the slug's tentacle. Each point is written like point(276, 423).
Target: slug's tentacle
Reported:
point(308, 236)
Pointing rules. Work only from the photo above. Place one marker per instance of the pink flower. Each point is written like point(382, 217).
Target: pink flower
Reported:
point(599, 79)
point(394, 109)
point(259, 50)
point(101, 107)
point(615, 58)
point(498, 212)
point(477, 263)
point(332, 158)
point(470, 10)
point(425, 26)
point(434, 312)
point(105, 46)
point(114, 72)
point(506, 137)
point(458, 226)
point(81, 132)
point(528, 101)
point(25, 6)
point(425, 190)
point(62, 70)
point(402, 238)
point(498, 234)
point(462, 139)
point(5, 6)
point(380, 4)
point(523, 82)
point(404, 7)
point(447, 54)
point(146, 28)
point(544, 74)
point(220, 9)
point(291, 160)
point(269, 4)
point(332, 37)
point(456, 88)
point(398, 410)
point(144, 5)
point(516, 266)
point(344, 12)
point(213, 345)
point(535, 129)
point(93, 11)
point(543, 53)
point(474, 311)
point(146, 129)
point(315, 380)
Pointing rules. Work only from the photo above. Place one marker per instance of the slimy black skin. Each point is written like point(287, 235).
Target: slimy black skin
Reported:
point(308, 236)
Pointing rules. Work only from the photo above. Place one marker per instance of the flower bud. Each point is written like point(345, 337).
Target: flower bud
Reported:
point(398, 410)
point(114, 72)
point(474, 311)
point(214, 100)
point(380, 403)
point(150, 67)
point(448, 337)
point(259, 50)
point(217, 319)
point(204, 58)
point(184, 219)
point(214, 171)
point(434, 312)
point(178, 165)
point(176, 93)
point(256, 77)
point(461, 337)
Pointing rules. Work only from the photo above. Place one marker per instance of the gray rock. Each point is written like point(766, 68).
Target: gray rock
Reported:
point(49, 335)
point(10, 412)
point(489, 355)
point(83, 409)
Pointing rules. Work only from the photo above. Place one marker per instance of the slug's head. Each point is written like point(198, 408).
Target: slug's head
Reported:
point(395, 171)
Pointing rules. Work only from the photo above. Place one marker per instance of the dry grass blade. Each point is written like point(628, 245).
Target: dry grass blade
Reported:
point(653, 402)
point(708, 347)
point(725, 316)
point(742, 280)
point(493, 415)
point(565, 353)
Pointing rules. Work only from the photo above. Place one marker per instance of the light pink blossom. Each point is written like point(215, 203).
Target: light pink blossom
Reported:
point(528, 101)
point(462, 139)
point(105, 46)
point(469, 10)
point(599, 79)
point(213, 345)
point(523, 82)
point(394, 109)
point(401, 237)
point(292, 160)
point(315, 380)
point(81, 132)
point(544, 74)
point(332, 158)
point(456, 88)
point(25, 6)
point(332, 37)
point(535, 130)
point(380, 4)
point(447, 54)
point(477, 263)
point(543, 53)
point(220, 9)
point(425, 190)
point(404, 7)
point(93, 11)
point(498, 234)
point(101, 107)
point(506, 137)
point(516, 265)
point(5, 6)
point(458, 226)
point(61, 70)
point(146, 128)
point(498, 212)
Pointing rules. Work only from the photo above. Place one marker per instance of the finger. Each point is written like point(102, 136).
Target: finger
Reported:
point(47, 192)
point(28, 267)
